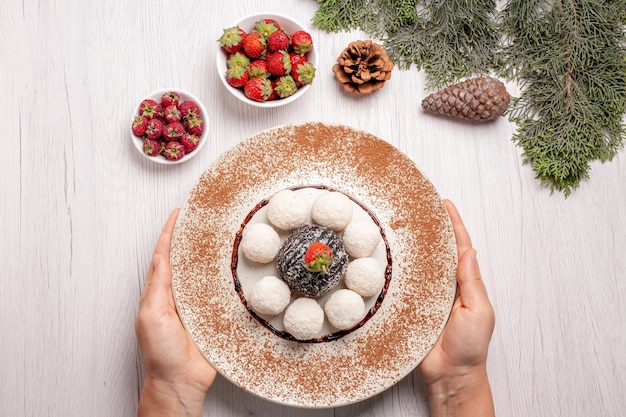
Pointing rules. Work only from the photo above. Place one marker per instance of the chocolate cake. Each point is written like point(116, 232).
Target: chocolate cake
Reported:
point(291, 267)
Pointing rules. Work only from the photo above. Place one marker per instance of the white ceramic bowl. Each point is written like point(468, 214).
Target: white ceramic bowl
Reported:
point(184, 96)
point(247, 24)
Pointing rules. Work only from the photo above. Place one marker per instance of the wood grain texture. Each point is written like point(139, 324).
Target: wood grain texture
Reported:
point(82, 210)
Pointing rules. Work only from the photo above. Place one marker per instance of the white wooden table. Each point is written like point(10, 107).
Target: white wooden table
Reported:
point(82, 211)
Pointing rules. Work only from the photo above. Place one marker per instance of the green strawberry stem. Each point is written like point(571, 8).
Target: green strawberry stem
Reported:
point(320, 264)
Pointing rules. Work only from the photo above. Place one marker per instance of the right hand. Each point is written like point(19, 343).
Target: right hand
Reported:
point(458, 359)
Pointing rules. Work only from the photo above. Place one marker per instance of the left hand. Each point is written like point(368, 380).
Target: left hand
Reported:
point(176, 372)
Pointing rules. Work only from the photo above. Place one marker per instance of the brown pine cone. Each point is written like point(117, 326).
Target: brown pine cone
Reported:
point(363, 67)
point(481, 99)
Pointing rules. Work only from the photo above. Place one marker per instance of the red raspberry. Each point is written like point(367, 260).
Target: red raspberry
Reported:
point(151, 147)
point(162, 144)
point(173, 131)
point(170, 98)
point(190, 142)
point(194, 125)
point(189, 109)
point(154, 130)
point(140, 124)
point(172, 114)
point(149, 108)
point(174, 151)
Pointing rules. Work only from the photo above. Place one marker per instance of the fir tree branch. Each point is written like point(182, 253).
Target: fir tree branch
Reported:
point(448, 39)
point(340, 15)
point(388, 16)
point(569, 60)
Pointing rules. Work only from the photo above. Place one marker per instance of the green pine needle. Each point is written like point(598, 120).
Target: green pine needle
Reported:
point(569, 59)
point(340, 15)
point(568, 56)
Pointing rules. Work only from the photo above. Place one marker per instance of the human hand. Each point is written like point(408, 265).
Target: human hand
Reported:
point(455, 369)
point(177, 375)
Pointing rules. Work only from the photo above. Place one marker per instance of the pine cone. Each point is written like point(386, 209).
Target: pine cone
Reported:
point(363, 67)
point(481, 99)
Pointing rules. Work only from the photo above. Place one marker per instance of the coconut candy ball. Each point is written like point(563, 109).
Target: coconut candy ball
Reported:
point(361, 237)
point(303, 318)
point(333, 210)
point(270, 295)
point(260, 243)
point(365, 276)
point(344, 309)
point(287, 210)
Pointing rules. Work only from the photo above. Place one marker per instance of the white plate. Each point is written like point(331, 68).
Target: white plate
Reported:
point(364, 362)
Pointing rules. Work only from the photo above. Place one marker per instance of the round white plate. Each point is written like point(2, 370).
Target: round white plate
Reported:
point(364, 362)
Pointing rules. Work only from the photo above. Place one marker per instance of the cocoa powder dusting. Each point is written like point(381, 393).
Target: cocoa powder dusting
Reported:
point(364, 362)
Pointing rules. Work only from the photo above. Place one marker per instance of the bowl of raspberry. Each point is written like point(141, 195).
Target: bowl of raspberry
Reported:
point(169, 126)
point(266, 60)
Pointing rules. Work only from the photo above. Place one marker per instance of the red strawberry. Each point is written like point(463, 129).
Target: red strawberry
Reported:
point(173, 131)
point(318, 257)
point(172, 114)
point(297, 59)
point(237, 59)
point(258, 69)
point(154, 130)
point(285, 86)
point(237, 76)
point(274, 95)
point(301, 42)
point(303, 73)
point(140, 124)
point(170, 98)
point(190, 142)
point(265, 27)
point(278, 63)
point(268, 21)
point(149, 108)
point(232, 39)
point(194, 125)
point(258, 89)
point(278, 40)
point(254, 45)
point(189, 109)
point(174, 151)
point(151, 147)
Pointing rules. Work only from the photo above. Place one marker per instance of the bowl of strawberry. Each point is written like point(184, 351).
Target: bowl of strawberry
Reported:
point(266, 60)
point(168, 126)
